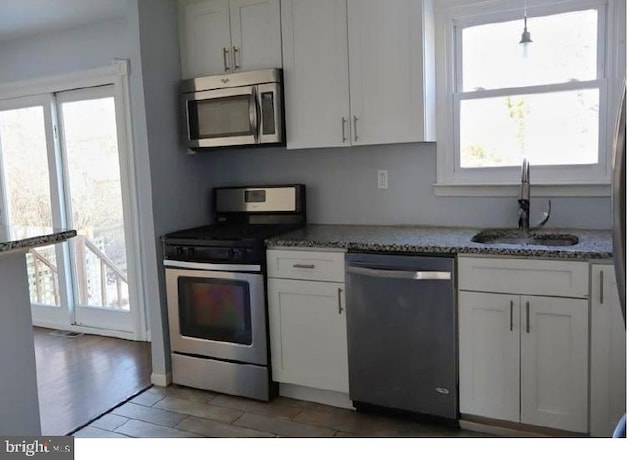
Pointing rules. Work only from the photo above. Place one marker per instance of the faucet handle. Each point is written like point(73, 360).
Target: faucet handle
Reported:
point(545, 215)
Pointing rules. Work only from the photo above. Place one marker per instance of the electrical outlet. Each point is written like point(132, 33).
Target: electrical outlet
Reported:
point(383, 179)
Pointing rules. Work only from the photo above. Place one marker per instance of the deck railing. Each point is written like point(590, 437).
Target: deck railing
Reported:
point(42, 281)
point(45, 285)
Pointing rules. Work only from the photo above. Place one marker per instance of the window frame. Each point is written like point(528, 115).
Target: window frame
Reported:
point(557, 180)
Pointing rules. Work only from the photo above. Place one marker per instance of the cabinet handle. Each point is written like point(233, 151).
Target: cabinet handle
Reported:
point(225, 56)
point(236, 66)
point(344, 130)
point(601, 287)
point(511, 315)
point(355, 129)
point(308, 266)
point(340, 309)
point(528, 323)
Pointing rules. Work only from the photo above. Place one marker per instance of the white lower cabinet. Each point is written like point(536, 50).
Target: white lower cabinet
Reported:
point(524, 358)
point(307, 323)
point(554, 363)
point(608, 353)
point(489, 355)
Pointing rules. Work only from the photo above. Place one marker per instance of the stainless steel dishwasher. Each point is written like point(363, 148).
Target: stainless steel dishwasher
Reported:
point(402, 333)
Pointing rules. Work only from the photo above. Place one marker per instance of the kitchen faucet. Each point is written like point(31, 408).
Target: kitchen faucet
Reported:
point(524, 201)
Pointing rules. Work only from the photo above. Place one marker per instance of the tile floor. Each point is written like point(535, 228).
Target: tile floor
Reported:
point(177, 412)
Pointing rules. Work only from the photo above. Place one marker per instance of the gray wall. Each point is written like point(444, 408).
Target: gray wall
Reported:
point(342, 188)
point(72, 50)
point(178, 183)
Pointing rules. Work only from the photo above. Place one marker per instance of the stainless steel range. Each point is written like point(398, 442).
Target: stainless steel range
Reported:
point(216, 298)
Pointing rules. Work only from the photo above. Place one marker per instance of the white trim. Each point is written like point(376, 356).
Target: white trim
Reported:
point(512, 190)
point(128, 176)
point(451, 16)
point(162, 380)
point(76, 80)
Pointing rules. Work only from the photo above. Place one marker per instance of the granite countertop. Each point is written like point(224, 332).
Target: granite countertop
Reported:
point(593, 244)
point(23, 238)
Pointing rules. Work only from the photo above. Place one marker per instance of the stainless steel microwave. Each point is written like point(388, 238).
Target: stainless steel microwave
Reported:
point(243, 108)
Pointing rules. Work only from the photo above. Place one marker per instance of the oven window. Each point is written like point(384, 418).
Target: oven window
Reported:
point(215, 309)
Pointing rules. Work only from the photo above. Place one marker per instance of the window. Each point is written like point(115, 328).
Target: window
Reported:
point(549, 102)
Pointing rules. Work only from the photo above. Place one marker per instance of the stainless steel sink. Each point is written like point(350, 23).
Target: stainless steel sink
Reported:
point(521, 238)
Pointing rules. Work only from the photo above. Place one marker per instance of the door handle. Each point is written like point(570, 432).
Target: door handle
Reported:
point(528, 321)
point(225, 57)
point(601, 287)
point(236, 50)
point(307, 266)
point(355, 129)
point(511, 316)
point(340, 309)
point(344, 131)
point(399, 274)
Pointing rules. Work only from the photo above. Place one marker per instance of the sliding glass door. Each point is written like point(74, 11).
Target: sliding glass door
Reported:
point(61, 166)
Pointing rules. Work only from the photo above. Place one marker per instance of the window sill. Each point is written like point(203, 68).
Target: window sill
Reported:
point(511, 190)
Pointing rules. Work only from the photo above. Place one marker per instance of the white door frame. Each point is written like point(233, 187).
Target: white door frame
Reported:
point(116, 74)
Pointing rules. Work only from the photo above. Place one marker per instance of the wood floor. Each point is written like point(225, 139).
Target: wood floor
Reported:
point(180, 412)
point(83, 377)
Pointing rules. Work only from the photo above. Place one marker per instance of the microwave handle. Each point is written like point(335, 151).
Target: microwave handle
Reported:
point(254, 113)
point(187, 118)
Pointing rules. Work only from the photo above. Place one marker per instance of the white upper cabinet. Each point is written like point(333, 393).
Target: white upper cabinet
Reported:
point(357, 72)
point(316, 73)
point(386, 71)
point(219, 36)
point(205, 37)
point(255, 34)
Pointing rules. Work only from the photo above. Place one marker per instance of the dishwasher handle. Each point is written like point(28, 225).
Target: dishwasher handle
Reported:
point(399, 274)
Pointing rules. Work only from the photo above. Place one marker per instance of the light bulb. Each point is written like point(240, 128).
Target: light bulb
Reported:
point(525, 39)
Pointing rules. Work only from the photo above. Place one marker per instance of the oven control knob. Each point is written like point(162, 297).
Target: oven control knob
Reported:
point(180, 251)
point(191, 251)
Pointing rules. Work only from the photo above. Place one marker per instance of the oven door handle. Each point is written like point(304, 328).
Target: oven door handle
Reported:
point(216, 267)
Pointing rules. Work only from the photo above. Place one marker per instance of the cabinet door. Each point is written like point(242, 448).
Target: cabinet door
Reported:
point(316, 73)
point(255, 34)
point(386, 71)
point(489, 337)
point(554, 362)
point(608, 353)
point(205, 37)
point(308, 333)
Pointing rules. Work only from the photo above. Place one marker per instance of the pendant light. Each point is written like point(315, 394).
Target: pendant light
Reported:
point(525, 38)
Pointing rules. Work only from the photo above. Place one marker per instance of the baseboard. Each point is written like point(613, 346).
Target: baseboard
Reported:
point(88, 330)
point(327, 397)
point(511, 429)
point(161, 380)
point(496, 430)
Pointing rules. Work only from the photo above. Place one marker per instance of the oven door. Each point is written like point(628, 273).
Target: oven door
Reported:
point(222, 117)
point(217, 314)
